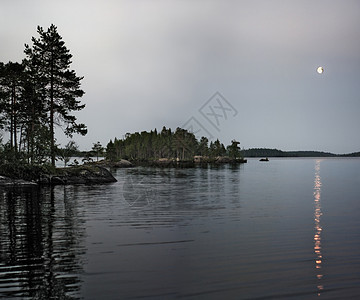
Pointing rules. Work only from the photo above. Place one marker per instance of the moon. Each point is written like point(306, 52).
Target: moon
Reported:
point(320, 70)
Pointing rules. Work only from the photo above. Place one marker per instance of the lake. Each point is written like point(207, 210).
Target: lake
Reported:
point(283, 229)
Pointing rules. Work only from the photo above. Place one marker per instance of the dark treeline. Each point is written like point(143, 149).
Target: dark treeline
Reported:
point(179, 144)
point(354, 154)
point(265, 152)
point(36, 95)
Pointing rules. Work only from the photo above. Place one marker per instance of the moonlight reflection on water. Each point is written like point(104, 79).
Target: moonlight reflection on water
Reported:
point(318, 228)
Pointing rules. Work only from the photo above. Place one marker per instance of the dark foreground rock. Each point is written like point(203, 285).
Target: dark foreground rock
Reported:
point(86, 174)
point(78, 175)
point(6, 181)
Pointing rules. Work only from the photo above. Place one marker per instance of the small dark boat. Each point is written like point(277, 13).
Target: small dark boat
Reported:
point(264, 159)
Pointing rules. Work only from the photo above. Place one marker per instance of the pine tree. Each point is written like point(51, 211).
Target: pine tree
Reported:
point(98, 149)
point(234, 150)
point(110, 151)
point(203, 146)
point(69, 150)
point(33, 117)
point(11, 86)
point(58, 86)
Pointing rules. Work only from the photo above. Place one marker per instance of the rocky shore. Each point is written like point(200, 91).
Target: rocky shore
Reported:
point(10, 182)
point(95, 173)
point(86, 174)
point(123, 163)
point(198, 160)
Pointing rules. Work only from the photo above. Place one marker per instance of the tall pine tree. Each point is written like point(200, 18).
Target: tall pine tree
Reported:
point(57, 85)
point(11, 87)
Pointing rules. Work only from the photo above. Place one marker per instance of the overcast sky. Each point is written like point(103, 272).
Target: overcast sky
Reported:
point(225, 69)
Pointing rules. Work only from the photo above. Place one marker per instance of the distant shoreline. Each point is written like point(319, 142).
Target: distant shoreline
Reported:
point(266, 152)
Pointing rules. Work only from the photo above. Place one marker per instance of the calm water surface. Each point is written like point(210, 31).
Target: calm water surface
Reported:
point(286, 229)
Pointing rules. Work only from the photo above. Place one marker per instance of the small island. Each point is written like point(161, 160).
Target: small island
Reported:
point(171, 148)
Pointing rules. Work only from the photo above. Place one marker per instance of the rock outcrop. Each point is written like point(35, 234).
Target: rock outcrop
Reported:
point(123, 163)
point(85, 174)
point(6, 181)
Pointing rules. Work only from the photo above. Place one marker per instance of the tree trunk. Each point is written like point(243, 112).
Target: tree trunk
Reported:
point(52, 135)
point(31, 136)
point(15, 122)
point(12, 120)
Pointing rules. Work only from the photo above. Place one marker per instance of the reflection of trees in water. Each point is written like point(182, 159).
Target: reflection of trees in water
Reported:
point(198, 189)
point(40, 244)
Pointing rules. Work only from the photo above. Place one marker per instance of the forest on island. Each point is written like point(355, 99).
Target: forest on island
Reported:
point(180, 144)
